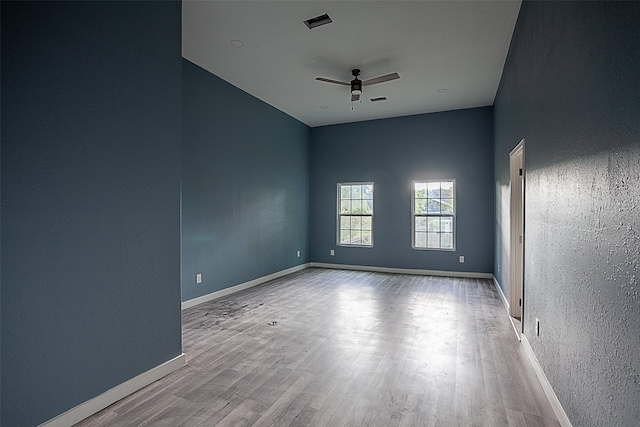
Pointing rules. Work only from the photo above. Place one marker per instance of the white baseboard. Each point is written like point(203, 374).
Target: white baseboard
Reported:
point(546, 386)
point(98, 403)
point(227, 291)
point(544, 382)
point(505, 302)
point(416, 271)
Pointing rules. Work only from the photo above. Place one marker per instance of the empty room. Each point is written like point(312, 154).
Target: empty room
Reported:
point(310, 213)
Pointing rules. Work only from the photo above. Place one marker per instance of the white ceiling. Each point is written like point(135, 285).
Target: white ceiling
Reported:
point(459, 46)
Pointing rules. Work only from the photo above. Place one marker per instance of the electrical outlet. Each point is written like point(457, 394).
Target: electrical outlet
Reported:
point(199, 278)
point(498, 268)
point(537, 327)
point(461, 258)
point(332, 252)
point(298, 254)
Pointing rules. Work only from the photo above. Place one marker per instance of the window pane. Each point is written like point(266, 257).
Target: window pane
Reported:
point(446, 206)
point(434, 224)
point(433, 240)
point(366, 223)
point(367, 206)
point(345, 236)
point(345, 222)
point(345, 207)
point(447, 240)
point(434, 206)
point(421, 240)
point(356, 192)
point(366, 237)
point(356, 206)
point(420, 189)
point(421, 223)
point(446, 189)
point(345, 191)
point(421, 206)
point(446, 224)
point(433, 189)
point(355, 223)
point(367, 191)
point(356, 237)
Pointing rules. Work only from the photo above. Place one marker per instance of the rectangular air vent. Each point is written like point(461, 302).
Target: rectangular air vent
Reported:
point(318, 21)
point(381, 98)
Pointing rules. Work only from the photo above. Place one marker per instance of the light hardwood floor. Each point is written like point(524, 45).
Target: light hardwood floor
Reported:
point(345, 348)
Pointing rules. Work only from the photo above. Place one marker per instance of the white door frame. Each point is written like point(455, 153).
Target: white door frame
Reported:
point(516, 274)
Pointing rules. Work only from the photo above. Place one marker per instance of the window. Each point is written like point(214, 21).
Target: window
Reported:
point(355, 214)
point(434, 215)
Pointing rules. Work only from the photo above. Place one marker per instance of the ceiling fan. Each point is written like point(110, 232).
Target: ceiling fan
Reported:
point(356, 84)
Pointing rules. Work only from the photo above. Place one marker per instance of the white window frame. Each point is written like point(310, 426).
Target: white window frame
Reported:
point(427, 215)
point(341, 214)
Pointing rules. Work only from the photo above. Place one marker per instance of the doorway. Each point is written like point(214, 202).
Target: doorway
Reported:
point(516, 276)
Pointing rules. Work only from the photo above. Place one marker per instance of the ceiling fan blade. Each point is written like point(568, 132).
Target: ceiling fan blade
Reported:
point(381, 79)
point(322, 79)
point(355, 97)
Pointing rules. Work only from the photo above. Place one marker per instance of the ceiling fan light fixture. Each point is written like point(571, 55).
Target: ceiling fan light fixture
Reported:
point(356, 87)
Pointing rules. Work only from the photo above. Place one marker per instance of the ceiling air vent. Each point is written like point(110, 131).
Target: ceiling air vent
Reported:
point(381, 98)
point(318, 21)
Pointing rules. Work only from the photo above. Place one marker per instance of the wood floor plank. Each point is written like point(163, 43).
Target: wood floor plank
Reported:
point(325, 347)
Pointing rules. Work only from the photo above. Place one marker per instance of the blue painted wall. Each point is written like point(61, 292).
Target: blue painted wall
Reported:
point(392, 153)
point(571, 87)
point(91, 128)
point(245, 186)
